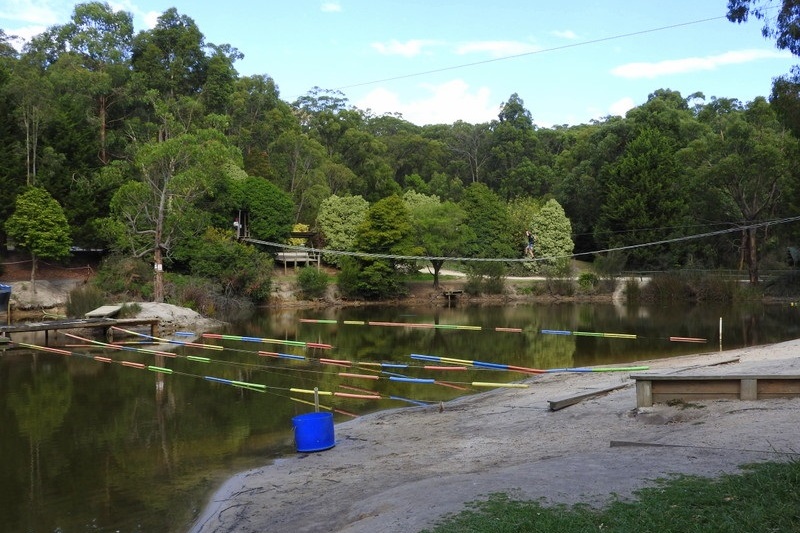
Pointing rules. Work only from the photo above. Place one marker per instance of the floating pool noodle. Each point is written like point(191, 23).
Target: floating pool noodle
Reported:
point(415, 402)
point(555, 332)
point(359, 376)
point(412, 380)
point(506, 385)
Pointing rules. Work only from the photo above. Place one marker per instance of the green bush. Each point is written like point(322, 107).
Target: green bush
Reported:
point(588, 282)
point(240, 269)
point(129, 310)
point(312, 283)
point(125, 276)
point(83, 299)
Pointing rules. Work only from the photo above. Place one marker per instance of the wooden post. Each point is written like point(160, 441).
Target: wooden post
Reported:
point(748, 389)
point(644, 393)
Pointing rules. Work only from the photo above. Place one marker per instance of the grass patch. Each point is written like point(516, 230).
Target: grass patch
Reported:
point(765, 498)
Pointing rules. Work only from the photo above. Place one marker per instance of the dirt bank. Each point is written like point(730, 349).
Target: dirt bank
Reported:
point(401, 470)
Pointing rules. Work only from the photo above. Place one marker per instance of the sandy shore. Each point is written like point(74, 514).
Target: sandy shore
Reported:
point(402, 470)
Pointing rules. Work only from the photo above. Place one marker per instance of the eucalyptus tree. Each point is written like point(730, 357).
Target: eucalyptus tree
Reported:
point(150, 215)
point(785, 99)
point(408, 151)
point(257, 117)
point(748, 161)
point(780, 22)
point(470, 144)
point(101, 40)
point(31, 92)
point(169, 73)
point(12, 167)
point(512, 146)
point(296, 165)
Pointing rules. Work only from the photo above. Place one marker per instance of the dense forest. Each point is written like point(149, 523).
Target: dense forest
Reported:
point(153, 146)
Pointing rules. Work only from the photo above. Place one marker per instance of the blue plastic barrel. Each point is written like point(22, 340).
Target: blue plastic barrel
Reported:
point(313, 432)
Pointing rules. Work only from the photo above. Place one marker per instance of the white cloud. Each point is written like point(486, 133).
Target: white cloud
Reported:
point(407, 49)
point(497, 48)
point(444, 104)
point(151, 19)
point(24, 33)
point(34, 12)
point(693, 64)
point(565, 34)
point(331, 7)
point(621, 106)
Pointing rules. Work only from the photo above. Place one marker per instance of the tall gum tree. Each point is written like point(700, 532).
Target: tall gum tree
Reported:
point(150, 214)
point(748, 160)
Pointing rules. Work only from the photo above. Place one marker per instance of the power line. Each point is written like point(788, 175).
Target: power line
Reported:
point(534, 52)
point(518, 259)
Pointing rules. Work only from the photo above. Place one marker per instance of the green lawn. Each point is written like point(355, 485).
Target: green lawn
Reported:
point(765, 498)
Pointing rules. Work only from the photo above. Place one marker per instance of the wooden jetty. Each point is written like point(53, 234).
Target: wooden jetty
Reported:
point(102, 325)
point(452, 294)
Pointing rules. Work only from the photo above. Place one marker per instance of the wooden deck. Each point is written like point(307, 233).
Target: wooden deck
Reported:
point(660, 388)
point(102, 325)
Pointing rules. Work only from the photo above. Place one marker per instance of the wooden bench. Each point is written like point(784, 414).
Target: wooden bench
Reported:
point(660, 388)
point(297, 258)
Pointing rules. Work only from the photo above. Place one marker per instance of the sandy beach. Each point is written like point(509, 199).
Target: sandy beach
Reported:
point(403, 470)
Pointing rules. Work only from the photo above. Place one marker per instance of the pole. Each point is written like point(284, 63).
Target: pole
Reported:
point(316, 399)
point(720, 334)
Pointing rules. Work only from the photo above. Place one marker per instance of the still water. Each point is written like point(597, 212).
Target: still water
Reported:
point(92, 446)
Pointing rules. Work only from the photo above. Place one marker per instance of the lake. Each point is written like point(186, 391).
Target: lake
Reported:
point(126, 441)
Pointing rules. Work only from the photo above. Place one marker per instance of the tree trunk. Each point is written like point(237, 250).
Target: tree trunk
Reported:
point(752, 255)
point(437, 265)
point(103, 127)
point(158, 279)
point(33, 273)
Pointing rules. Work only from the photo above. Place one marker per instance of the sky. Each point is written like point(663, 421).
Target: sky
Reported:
point(440, 61)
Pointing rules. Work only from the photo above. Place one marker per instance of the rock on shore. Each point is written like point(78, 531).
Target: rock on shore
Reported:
point(52, 295)
point(175, 318)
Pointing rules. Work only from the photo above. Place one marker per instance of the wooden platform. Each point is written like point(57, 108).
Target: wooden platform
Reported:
point(103, 325)
point(660, 388)
point(105, 311)
point(450, 295)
